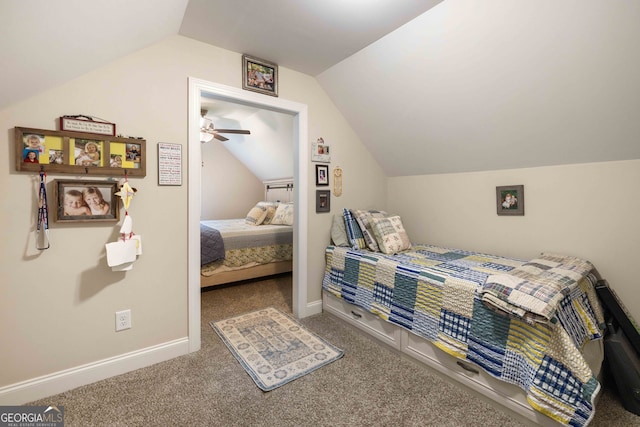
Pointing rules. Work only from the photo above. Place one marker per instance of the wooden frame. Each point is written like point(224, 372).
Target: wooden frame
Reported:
point(75, 153)
point(86, 201)
point(261, 270)
point(322, 175)
point(510, 200)
point(259, 76)
point(323, 201)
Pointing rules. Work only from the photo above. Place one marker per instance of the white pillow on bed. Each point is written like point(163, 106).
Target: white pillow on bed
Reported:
point(339, 231)
point(390, 234)
point(284, 214)
point(256, 215)
point(271, 211)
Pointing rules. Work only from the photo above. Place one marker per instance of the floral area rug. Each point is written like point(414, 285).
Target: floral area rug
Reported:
point(273, 348)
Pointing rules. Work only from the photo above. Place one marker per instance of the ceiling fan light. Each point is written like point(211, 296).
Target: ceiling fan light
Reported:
point(206, 123)
point(205, 137)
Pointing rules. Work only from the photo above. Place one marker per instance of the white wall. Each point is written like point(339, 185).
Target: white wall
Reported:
point(57, 306)
point(586, 210)
point(229, 189)
point(268, 151)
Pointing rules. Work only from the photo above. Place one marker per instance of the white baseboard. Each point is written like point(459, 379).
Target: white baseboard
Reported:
point(58, 382)
point(312, 308)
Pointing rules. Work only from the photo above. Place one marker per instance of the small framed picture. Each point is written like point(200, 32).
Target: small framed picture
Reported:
point(86, 201)
point(323, 201)
point(259, 76)
point(322, 175)
point(510, 200)
point(320, 152)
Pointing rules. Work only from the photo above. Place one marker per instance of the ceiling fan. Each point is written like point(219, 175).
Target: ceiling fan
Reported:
point(208, 132)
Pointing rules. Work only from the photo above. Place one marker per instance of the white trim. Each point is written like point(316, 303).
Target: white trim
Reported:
point(58, 382)
point(300, 178)
point(313, 308)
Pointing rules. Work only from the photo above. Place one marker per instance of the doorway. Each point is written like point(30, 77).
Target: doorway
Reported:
point(300, 178)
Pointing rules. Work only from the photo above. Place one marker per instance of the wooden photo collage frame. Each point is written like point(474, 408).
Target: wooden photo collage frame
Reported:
point(79, 153)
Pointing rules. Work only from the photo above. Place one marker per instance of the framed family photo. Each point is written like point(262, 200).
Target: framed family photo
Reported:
point(86, 201)
point(259, 76)
point(510, 200)
point(322, 175)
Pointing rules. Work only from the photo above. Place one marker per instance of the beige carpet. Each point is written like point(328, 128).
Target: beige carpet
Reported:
point(370, 385)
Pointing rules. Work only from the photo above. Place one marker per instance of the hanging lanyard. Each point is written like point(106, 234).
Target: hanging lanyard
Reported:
point(43, 215)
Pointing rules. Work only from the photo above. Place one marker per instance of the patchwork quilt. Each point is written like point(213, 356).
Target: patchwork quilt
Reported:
point(434, 292)
point(534, 290)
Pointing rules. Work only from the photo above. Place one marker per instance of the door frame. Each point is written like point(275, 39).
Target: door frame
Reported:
point(194, 171)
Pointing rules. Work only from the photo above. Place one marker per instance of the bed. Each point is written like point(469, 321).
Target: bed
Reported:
point(435, 304)
point(234, 250)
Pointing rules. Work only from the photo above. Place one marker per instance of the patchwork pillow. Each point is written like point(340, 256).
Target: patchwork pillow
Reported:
point(390, 234)
point(338, 231)
point(283, 215)
point(271, 211)
point(354, 234)
point(364, 221)
point(256, 215)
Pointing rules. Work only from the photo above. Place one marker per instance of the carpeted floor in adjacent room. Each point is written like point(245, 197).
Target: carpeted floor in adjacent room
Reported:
point(370, 385)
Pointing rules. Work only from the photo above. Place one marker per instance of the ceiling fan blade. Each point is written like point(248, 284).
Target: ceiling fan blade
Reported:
point(220, 137)
point(243, 132)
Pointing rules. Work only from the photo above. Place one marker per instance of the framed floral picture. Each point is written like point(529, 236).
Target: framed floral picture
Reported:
point(510, 200)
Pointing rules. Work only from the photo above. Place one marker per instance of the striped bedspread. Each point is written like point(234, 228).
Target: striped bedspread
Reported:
point(434, 293)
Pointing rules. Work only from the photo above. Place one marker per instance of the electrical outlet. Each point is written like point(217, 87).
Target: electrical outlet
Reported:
point(123, 320)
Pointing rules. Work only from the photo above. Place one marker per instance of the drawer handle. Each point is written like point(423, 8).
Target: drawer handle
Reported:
point(467, 367)
point(356, 315)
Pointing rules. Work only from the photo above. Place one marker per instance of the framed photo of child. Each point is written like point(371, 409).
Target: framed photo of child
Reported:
point(510, 200)
point(259, 76)
point(322, 175)
point(86, 201)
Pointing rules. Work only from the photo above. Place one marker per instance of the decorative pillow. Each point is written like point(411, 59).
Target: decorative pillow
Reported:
point(390, 234)
point(364, 221)
point(284, 214)
point(338, 231)
point(271, 211)
point(256, 215)
point(354, 234)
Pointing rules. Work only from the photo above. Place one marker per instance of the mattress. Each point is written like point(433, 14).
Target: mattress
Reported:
point(433, 293)
point(248, 245)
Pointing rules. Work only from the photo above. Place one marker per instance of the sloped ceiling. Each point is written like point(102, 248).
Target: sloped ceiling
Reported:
point(268, 151)
point(474, 86)
point(307, 36)
point(429, 86)
point(45, 43)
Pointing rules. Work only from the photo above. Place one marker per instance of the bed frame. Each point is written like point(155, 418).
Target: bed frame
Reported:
point(509, 397)
point(246, 273)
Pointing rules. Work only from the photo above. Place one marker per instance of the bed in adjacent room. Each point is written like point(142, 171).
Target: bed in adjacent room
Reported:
point(246, 248)
point(525, 333)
